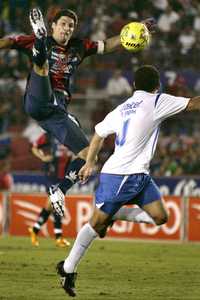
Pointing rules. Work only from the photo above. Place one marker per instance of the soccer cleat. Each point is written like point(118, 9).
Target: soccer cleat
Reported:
point(37, 23)
point(57, 199)
point(67, 279)
point(62, 243)
point(33, 236)
point(39, 50)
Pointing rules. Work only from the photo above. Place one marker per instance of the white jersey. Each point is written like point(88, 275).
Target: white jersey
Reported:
point(136, 124)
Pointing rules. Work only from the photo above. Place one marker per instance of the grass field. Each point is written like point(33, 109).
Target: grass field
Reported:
point(111, 270)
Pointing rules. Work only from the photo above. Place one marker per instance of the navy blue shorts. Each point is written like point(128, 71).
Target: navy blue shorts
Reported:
point(49, 109)
point(114, 191)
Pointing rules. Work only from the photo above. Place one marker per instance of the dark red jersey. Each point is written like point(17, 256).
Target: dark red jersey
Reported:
point(6, 181)
point(61, 156)
point(63, 60)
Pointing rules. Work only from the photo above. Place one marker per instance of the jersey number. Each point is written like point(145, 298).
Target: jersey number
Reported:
point(120, 140)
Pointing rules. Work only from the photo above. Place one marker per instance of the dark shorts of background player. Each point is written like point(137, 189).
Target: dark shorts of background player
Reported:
point(114, 191)
point(48, 108)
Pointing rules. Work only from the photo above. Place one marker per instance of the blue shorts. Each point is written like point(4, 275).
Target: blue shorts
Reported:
point(39, 103)
point(114, 191)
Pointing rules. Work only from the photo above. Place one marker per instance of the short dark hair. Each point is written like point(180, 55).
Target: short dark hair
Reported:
point(66, 12)
point(147, 78)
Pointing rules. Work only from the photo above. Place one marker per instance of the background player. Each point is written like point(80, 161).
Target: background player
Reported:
point(6, 179)
point(55, 59)
point(125, 178)
point(56, 159)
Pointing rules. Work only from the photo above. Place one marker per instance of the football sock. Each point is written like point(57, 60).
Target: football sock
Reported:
point(136, 215)
point(39, 51)
point(71, 176)
point(43, 217)
point(83, 240)
point(57, 225)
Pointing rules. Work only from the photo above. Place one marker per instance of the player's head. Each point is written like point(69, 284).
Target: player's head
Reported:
point(62, 24)
point(147, 78)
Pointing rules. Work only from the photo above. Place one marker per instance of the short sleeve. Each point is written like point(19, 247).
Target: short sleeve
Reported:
point(92, 47)
point(108, 125)
point(168, 105)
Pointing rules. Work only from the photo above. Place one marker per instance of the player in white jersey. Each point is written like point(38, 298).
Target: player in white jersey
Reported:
point(125, 178)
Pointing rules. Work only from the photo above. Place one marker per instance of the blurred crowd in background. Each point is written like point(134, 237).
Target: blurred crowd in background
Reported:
point(103, 82)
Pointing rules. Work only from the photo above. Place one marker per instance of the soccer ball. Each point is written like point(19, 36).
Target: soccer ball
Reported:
point(134, 36)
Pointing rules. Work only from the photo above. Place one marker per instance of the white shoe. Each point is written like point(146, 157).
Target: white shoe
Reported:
point(57, 199)
point(37, 23)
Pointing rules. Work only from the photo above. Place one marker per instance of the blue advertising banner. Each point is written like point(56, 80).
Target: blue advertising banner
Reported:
point(178, 186)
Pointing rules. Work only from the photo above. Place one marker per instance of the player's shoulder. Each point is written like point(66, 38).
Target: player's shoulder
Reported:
point(84, 43)
point(76, 42)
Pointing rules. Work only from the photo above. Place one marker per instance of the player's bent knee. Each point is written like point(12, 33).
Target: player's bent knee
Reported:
point(100, 229)
point(161, 219)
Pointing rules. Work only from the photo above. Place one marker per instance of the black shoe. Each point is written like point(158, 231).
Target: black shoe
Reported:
point(67, 279)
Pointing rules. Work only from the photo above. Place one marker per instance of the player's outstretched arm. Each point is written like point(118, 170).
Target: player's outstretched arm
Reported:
point(94, 148)
point(114, 43)
point(6, 43)
point(194, 104)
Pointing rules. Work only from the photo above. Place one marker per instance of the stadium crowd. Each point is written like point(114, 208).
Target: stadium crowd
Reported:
point(174, 50)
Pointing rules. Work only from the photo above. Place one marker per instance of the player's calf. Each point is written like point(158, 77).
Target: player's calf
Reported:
point(161, 219)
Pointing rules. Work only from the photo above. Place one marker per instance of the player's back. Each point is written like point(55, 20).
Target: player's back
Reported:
point(136, 134)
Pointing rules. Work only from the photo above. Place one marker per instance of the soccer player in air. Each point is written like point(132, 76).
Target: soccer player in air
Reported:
point(55, 58)
point(55, 158)
point(125, 177)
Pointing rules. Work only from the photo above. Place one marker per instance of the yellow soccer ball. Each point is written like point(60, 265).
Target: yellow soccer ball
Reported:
point(134, 36)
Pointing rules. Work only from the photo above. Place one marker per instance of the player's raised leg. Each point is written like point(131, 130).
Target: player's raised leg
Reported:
point(157, 211)
point(79, 145)
point(133, 214)
point(151, 202)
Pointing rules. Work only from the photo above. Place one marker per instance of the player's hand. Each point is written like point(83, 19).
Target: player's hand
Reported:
point(47, 158)
point(150, 24)
point(85, 172)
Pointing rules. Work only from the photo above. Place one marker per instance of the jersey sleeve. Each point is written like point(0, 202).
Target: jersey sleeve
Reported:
point(23, 42)
point(168, 105)
point(108, 125)
point(41, 141)
point(92, 47)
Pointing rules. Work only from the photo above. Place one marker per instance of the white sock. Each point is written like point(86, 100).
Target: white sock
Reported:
point(136, 215)
point(83, 240)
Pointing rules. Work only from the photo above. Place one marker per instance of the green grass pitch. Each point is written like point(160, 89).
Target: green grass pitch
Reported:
point(110, 270)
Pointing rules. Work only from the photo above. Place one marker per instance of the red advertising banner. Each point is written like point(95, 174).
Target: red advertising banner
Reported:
point(26, 208)
point(193, 228)
point(1, 213)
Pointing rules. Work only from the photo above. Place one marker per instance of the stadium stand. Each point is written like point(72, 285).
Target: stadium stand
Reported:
point(174, 50)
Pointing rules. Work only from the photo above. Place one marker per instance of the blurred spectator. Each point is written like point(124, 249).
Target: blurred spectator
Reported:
point(118, 87)
point(187, 39)
point(167, 19)
point(178, 87)
point(174, 49)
